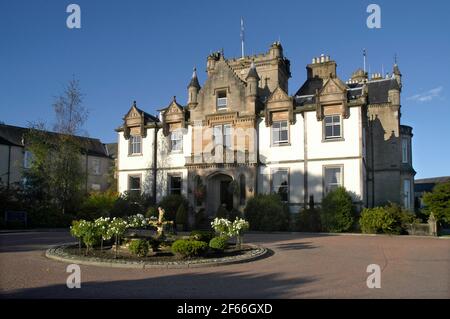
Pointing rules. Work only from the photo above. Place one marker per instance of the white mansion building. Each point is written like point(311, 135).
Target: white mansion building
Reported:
point(242, 134)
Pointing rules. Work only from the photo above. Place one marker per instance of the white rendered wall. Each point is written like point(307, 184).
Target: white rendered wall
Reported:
point(291, 152)
point(348, 147)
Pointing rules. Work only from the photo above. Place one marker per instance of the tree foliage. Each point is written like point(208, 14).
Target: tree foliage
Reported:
point(438, 202)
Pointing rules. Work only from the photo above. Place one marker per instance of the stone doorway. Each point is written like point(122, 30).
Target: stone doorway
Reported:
point(218, 193)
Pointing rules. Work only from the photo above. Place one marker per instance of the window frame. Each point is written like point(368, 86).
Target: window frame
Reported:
point(132, 190)
point(272, 133)
point(324, 179)
point(179, 133)
point(222, 135)
point(325, 125)
point(273, 171)
point(170, 188)
point(132, 143)
point(407, 195)
point(96, 168)
point(220, 106)
point(405, 150)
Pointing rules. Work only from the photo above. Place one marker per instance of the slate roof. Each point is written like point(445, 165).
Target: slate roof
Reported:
point(427, 184)
point(148, 116)
point(378, 90)
point(112, 149)
point(13, 135)
point(310, 86)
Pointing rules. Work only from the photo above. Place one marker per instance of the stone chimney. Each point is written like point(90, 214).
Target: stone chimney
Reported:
point(321, 67)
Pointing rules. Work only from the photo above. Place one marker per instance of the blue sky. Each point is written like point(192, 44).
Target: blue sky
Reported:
point(145, 51)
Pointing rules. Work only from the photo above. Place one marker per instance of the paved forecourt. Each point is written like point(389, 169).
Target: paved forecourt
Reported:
point(302, 266)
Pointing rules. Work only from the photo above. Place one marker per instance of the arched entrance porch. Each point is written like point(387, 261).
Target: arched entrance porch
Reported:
point(218, 193)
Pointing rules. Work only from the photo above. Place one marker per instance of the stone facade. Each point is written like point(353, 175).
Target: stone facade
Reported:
point(241, 133)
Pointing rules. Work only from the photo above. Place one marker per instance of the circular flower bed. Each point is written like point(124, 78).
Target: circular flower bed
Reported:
point(161, 259)
point(137, 241)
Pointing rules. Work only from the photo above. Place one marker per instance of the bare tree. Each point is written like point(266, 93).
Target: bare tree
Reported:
point(57, 156)
point(69, 110)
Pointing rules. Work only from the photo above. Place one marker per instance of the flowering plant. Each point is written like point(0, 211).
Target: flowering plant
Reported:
point(117, 228)
point(230, 229)
point(222, 226)
point(102, 225)
point(137, 221)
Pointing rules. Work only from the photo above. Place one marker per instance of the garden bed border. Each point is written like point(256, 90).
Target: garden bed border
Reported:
point(58, 253)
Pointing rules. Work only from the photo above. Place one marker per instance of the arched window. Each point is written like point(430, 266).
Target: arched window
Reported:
point(242, 189)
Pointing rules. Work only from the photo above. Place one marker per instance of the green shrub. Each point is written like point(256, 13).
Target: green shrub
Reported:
point(337, 211)
point(182, 216)
point(152, 211)
point(222, 212)
point(308, 220)
point(171, 203)
point(267, 213)
point(98, 204)
point(202, 235)
point(218, 244)
point(390, 219)
point(189, 248)
point(128, 204)
point(139, 247)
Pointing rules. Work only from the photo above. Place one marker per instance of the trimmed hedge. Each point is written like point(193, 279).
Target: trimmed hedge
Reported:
point(202, 235)
point(189, 248)
point(139, 247)
point(267, 212)
point(218, 244)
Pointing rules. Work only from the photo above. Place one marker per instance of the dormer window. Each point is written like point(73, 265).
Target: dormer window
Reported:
point(280, 133)
point(222, 100)
point(135, 145)
point(176, 141)
point(332, 127)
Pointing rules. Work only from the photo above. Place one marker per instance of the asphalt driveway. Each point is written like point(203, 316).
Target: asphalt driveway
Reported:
point(301, 266)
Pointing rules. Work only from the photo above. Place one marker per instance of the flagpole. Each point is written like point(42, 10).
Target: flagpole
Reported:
point(364, 54)
point(242, 37)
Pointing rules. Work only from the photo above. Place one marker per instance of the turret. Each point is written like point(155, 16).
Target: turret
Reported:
point(359, 76)
point(252, 81)
point(193, 89)
point(397, 75)
point(276, 50)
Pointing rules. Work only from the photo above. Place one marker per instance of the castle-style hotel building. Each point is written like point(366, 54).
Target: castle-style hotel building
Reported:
point(240, 134)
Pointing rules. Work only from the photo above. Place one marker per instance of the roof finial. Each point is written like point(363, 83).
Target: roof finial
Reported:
point(134, 103)
point(194, 73)
point(174, 98)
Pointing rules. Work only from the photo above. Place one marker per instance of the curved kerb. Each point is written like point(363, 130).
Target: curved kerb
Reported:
point(58, 253)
